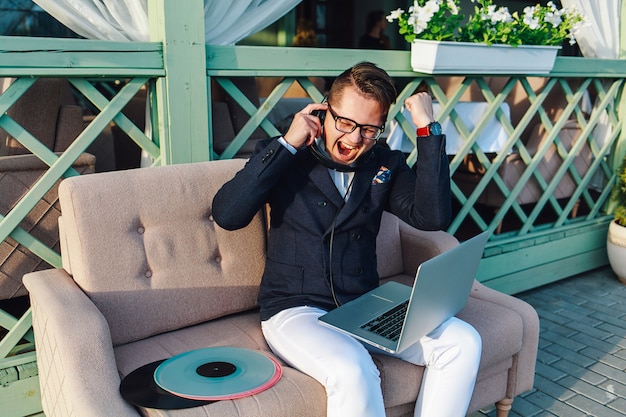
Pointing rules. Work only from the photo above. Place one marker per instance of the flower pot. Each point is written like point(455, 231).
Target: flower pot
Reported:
point(440, 57)
point(616, 250)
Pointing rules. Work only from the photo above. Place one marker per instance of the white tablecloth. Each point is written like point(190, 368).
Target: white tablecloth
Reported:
point(492, 139)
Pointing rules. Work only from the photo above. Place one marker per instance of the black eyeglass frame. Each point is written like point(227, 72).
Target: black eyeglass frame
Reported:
point(381, 129)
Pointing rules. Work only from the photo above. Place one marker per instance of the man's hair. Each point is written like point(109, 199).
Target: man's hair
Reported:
point(371, 81)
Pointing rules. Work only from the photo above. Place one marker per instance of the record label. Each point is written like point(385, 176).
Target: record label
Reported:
point(217, 373)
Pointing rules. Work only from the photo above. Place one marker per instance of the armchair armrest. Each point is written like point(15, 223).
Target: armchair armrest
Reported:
point(65, 321)
point(521, 374)
point(419, 246)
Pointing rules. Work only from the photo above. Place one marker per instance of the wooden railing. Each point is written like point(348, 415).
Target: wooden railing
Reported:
point(560, 229)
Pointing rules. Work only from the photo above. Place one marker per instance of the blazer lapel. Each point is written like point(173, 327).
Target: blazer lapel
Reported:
point(320, 177)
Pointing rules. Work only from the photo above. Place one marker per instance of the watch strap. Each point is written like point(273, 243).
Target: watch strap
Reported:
point(428, 130)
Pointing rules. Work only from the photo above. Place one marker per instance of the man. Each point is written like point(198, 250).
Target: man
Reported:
point(327, 183)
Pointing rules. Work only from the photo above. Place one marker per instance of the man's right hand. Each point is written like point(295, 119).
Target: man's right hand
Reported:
point(305, 126)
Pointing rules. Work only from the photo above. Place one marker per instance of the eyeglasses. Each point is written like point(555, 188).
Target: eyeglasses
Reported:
point(346, 125)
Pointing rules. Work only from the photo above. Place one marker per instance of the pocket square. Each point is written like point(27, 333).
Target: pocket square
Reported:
point(382, 176)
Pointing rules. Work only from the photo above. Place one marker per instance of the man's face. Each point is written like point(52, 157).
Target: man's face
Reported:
point(345, 148)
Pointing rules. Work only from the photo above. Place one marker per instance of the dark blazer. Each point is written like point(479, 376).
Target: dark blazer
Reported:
point(309, 218)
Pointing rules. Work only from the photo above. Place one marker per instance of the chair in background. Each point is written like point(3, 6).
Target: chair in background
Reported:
point(47, 111)
point(470, 174)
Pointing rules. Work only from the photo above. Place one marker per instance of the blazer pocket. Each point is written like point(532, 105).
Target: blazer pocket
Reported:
point(284, 277)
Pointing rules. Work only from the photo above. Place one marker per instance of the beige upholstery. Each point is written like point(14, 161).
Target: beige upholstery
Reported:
point(148, 275)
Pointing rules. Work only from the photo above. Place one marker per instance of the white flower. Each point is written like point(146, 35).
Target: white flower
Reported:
point(501, 15)
point(530, 10)
point(531, 22)
point(431, 7)
point(553, 18)
point(395, 14)
point(422, 15)
point(529, 18)
point(572, 38)
point(453, 7)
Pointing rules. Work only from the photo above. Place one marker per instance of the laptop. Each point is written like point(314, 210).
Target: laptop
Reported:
point(394, 315)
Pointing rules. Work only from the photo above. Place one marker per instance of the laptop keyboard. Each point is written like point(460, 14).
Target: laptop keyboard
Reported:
point(388, 324)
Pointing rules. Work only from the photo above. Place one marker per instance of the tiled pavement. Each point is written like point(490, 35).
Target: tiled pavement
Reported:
point(581, 361)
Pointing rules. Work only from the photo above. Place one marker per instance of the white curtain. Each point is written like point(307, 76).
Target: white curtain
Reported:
point(226, 22)
point(600, 37)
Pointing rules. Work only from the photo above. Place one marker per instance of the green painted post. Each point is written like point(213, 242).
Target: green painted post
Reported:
point(182, 126)
point(620, 148)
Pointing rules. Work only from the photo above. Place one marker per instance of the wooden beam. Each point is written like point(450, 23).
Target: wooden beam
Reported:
point(182, 94)
point(556, 255)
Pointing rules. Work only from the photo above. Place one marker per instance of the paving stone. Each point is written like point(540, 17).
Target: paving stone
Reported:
point(619, 405)
point(621, 353)
point(614, 387)
point(554, 406)
point(552, 316)
point(546, 357)
point(547, 325)
point(567, 342)
point(570, 355)
point(592, 408)
point(609, 372)
point(614, 330)
point(604, 357)
point(597, 394)
point(549, 372)
point(617, 341)
point(599, 332)
point(580, 310)
point(523, 407)
point(607, 345)
point(553, 389)
point(607, 307)
point(603, 317)
point(579, 372)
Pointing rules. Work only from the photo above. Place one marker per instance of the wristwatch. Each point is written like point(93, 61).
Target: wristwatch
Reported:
point(432, 129)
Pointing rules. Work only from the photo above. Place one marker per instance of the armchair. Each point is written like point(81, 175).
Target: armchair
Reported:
point(147, 274)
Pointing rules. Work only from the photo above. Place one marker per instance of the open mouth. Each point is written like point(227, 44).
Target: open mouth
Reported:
point(346, 151)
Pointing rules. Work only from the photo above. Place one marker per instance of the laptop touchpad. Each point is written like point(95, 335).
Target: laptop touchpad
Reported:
point(373, 303)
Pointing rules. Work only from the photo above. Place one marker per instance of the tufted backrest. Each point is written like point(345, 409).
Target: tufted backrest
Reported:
point(143, 246)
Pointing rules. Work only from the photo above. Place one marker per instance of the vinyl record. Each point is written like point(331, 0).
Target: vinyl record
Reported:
point(139, 388)
point(217, 373)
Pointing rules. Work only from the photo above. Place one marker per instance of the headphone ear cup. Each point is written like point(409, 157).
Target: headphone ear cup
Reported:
point(321, 114)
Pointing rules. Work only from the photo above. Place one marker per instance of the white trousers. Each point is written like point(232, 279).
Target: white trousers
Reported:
point(344, 366)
